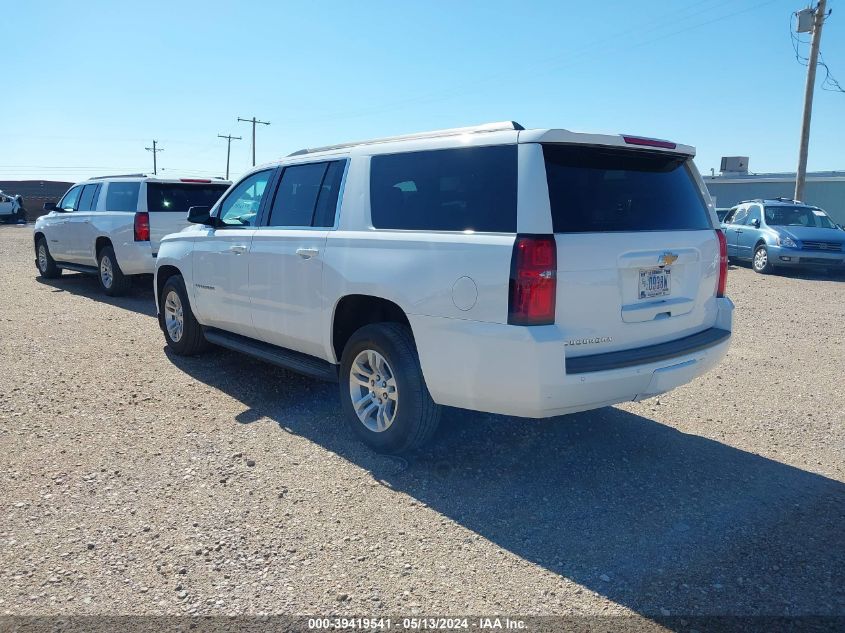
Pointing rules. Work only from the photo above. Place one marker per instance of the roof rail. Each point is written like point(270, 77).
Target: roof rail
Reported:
point(119, 176)
point(473, 129)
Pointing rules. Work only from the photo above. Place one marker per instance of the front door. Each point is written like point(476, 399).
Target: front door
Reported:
point(56, 228)
point(79, 231)
point(286, 260)
point(749, 233)
point(221, 259)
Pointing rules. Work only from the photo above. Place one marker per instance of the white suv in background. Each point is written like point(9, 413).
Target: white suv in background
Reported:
point(522, 272)
point(111, 226)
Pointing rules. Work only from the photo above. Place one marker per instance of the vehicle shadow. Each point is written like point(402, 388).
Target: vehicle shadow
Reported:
point(139, 299)
point(650, 517)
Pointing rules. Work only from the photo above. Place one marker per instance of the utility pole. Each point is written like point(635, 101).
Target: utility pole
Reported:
point(812, 63)
point(253, 120)
point(155, 150)
point(229, 138)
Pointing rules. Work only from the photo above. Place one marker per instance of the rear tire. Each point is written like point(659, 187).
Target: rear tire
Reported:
point(761, 262)
point(382, 390)
point(182, 331)
point(112, 280)
point(44, 261)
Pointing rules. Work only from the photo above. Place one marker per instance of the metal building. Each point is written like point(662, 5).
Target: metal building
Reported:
point(825, 189)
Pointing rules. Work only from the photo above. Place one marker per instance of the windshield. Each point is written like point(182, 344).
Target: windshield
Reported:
point(166, 196)
point(798, 216)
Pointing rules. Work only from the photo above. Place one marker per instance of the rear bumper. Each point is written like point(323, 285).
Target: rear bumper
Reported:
point(521, 371)
point(780, 256)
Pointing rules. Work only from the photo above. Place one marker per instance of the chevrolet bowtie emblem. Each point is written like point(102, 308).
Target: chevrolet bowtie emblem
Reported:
point(667, 259)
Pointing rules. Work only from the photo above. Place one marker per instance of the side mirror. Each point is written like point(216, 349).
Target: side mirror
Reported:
point(201, 215)
point(755, 223)
point(49, 206)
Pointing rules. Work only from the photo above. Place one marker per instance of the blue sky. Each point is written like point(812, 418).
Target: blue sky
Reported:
point(88, 85)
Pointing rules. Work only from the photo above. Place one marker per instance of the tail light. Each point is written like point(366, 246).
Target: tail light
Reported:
point(723, 264)
point(649, 142)
point(533, 283)
point(142, 226)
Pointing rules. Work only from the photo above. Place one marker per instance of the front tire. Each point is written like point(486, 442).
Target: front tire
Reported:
point(44, 261)
point(761, 262)
point(382, 390)
point(182, 331)
point(112, 280)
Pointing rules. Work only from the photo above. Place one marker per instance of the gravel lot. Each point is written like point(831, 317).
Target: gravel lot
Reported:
point(135, 482)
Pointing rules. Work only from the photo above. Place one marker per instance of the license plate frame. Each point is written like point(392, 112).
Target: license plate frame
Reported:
point(649, 286)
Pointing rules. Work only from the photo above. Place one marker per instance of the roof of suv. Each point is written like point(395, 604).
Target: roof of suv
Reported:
point(774, 202)
point(517, 134)
point(146, 178)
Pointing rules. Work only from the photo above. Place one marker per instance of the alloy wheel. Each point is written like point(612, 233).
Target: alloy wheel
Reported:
point(106, 272)
point(373, 389)
point(174, 319)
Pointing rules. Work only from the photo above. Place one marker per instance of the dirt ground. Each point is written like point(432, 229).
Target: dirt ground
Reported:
point(135, 482)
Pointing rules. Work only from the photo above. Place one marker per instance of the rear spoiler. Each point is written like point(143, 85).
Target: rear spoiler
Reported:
point(611, 140)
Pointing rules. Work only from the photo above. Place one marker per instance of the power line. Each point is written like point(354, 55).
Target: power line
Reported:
point(229, 138)
point(253, 120)
point(155, 151)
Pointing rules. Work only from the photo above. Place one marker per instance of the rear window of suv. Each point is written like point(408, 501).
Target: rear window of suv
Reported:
point(173, 196)
point(465, 189)
point(594, 189)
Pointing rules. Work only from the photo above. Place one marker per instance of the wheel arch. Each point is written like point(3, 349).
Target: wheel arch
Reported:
point(163, 273)
point(354, 311)
point(100, 243)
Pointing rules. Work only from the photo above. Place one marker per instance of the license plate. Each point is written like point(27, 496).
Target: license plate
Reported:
point(655, 282)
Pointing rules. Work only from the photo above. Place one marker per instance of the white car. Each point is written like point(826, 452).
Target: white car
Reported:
point(522, 272)
point(11, 209)
point(111, 226)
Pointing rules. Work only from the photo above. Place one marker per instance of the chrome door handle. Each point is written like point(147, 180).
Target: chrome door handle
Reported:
point(307, 253)
point(237, 249)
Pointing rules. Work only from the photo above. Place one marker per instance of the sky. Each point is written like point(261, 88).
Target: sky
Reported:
point(88, 85)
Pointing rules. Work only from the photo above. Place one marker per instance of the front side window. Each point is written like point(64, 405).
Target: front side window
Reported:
point(307, 195)
point(122, 196)
point(798, 216)
point(464, 189)
point(754, 214)
point(241, 206)
point(71, 199)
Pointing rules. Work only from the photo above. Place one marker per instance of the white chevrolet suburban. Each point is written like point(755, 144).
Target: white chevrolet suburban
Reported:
point(111, 226)
point(523, 272)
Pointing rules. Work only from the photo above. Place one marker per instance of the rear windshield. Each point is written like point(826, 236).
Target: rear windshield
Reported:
point(594, 189)
point(180, 196)
point(464, 189)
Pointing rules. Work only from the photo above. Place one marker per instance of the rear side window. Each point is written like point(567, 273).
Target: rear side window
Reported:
point(471, 188)
point(179, 197)
point(595, 189)
point(88, 199)
point(122, 196)
point(307, 195)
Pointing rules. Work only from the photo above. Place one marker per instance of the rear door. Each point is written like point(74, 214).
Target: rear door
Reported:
point(637, 249)
point(168, 204)
point(287, 254)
